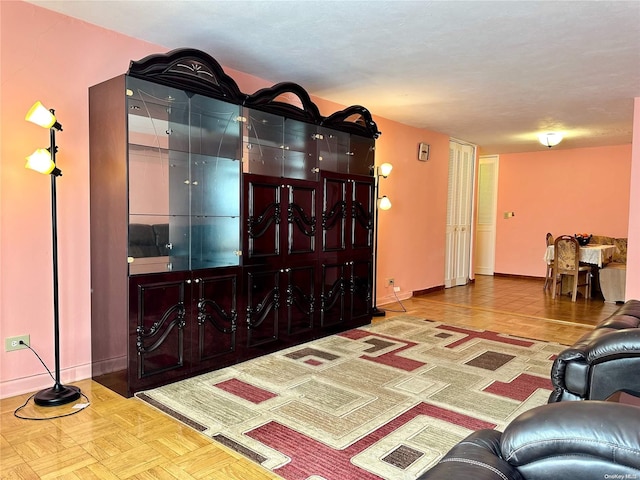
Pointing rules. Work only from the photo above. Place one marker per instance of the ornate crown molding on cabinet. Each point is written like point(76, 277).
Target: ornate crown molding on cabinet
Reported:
point(188, 68)
point(200, 72)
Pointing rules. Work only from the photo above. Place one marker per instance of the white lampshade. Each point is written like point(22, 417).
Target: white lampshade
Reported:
point(39, 115)
point(385, 169)
point(41, 161)
point(550, 139)
point(385, 203)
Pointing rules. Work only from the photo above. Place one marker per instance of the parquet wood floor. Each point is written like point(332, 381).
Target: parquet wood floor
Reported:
point(118, 438)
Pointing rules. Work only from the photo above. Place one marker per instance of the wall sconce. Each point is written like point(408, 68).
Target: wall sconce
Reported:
point(382, 203)
point(43, 160)
point(550, 139)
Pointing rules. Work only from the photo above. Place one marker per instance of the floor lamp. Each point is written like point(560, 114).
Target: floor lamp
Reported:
point(382, 203)
point(43, 160)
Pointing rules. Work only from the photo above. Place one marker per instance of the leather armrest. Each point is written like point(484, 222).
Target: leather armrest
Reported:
point(559, 371)
point(595, 347)
point(603, 433)
point(612, 344)
point(476, 457)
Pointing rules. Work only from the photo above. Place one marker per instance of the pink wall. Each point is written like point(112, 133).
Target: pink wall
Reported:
point(562, 192)
point(633, 251)
point(412, 233)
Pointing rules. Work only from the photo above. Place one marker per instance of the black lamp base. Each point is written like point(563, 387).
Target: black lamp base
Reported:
point(57, 395)
point(376, 312)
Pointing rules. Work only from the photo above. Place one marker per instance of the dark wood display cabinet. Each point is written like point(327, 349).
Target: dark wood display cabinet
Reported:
point(223, 225)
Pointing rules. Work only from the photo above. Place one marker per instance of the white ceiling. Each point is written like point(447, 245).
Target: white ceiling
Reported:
point(493, 73)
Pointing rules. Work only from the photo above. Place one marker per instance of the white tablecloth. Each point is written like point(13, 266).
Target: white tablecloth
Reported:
point(594, 254)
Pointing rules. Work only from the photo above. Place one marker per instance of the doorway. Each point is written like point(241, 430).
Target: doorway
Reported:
point(485, 253)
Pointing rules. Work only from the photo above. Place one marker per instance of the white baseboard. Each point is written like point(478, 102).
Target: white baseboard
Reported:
point(35, 383)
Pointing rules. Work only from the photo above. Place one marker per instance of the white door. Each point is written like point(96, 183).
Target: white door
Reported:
point(459, 208)
point(485, 254)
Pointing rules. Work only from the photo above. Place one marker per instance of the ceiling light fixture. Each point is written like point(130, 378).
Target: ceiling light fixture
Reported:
point(550, 139)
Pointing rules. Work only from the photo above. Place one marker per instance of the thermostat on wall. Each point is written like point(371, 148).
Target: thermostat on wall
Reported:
point(423, 152)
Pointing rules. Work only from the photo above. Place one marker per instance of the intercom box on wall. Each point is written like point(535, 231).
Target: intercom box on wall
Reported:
point(423, 152)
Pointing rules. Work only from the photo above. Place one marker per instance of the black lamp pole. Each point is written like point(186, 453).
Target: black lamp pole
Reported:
point(375, 311)
point(58, 394)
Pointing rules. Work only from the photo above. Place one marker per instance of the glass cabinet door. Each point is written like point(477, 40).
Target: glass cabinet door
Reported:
point(215, 182)
point(300, 150)
point(158, 155)
point(150, 108)
point(333, 149)
point(215, 127)
point(263, 143)
point(184, 179)
point(361, 155)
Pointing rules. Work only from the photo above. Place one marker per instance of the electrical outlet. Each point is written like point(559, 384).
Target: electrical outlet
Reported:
point(13, 343)
point(396, 289)
point(391, 281)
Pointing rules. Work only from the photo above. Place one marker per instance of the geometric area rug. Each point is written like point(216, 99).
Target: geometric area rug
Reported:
point(385, 401)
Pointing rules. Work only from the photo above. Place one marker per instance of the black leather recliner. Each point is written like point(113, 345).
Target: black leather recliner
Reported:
point(591, 440)
point(603, 361)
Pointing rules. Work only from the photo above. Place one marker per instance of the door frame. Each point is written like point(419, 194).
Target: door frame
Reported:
point(487, 249)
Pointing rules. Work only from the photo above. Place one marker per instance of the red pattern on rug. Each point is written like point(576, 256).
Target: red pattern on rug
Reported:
point(356, 334)
point(391, 359)
point(310, 457)
point(520, 388)
point(245, 390)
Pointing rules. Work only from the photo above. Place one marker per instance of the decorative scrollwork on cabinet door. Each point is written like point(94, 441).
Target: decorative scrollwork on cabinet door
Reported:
point(160, 327)
point(263, 302)
point(217, 317)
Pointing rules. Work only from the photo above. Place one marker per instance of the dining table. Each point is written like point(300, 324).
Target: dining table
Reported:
point(591, 253)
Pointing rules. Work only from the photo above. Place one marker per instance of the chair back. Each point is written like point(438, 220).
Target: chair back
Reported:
point(549, 239)
point(566, 255)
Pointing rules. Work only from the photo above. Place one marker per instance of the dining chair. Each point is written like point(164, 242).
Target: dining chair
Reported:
point(566, 262)
point(548, 279)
